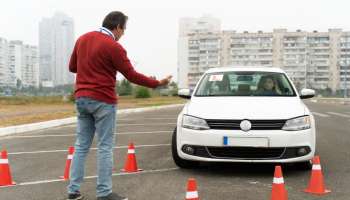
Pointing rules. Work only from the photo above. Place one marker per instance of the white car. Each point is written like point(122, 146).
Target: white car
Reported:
point(250, 114)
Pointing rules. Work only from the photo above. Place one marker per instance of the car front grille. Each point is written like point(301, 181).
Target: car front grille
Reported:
point(235, 124)
point(246, 152)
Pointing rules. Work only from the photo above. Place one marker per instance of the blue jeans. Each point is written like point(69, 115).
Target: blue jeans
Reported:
point(100, 118)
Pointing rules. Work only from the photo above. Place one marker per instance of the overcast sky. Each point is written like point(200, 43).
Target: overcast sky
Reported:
point(151, 35)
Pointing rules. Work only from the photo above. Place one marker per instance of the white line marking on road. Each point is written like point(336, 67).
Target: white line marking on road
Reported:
point(72, 135)
point(126, 119)
point(95, 148)
point(149, 124)
point(320, 114)
point(153, 116)
point(93, 177)
point(339, 114)
point(65, 126)
point(142, 132)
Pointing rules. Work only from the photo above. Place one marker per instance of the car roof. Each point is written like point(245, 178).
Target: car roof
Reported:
point(245, 68)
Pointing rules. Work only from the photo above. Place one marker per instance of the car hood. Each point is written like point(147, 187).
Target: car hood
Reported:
point(246, 107)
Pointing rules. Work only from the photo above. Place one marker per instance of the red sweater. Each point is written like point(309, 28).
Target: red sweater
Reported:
point(96, 58)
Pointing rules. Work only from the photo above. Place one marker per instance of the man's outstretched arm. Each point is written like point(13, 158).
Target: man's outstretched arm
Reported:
point(123, 65)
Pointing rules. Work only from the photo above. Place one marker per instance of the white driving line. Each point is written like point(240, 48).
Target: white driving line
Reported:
point(126, 119)
point(339, 114)
point(118, 124)
point(92, 177)
point(72, 135)
point(148, 124)
point(55, 151)
point(157, 124)
point(320, 114)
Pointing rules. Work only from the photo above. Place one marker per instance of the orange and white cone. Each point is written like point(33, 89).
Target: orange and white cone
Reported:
point(5, 173)
point(278, 192)
point(192, 193)
point(131, 164)
point(68, 163)
point(316, 184)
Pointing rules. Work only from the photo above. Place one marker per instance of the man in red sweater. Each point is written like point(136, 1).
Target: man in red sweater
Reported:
point(96, 58)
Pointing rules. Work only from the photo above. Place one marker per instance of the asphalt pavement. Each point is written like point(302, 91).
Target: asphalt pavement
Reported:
point(37, 160)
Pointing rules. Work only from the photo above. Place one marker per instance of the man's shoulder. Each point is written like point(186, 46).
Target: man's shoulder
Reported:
point(118, 46)
point(89, 34)
point(107, 40)
point(115, 46)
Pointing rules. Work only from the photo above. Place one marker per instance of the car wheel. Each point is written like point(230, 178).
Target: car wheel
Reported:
point(182, 163)
point(307, 165)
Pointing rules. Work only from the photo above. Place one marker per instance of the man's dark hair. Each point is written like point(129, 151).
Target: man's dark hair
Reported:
point(113, 19)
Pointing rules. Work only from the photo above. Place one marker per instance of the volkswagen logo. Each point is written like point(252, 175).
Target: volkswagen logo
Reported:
point(245, 125)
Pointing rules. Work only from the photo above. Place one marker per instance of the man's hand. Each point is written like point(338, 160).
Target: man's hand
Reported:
point(165, 81)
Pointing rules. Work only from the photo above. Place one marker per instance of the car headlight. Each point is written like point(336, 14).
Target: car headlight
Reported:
point(296, 124)
point(194, 123)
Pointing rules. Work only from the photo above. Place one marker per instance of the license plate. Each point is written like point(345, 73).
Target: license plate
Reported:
point(246, 142)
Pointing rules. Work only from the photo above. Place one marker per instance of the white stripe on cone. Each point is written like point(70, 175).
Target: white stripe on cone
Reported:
point(316, 167)
point(191, 195)
point(130, 151)
point(278, 180)
point(70, 157)
point(4, 161)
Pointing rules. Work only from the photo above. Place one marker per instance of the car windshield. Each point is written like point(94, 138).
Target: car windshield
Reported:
point(245, 84)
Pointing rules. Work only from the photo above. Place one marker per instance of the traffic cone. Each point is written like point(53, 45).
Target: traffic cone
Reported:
point(316, 184)
point(130, 164)
point(5, 173)
point(68, 163)
point(192, 193)
point(278, 192)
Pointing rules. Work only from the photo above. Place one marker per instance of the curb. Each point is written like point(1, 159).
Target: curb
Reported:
point(332, 100)
point(71, 120)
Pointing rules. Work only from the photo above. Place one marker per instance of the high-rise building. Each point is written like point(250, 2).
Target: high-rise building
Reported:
point(18, 64)
point(319, 60)
point(23, 59)
point(344, 62)
point(30, 73)
point(189, 49)
point(7, 73)
point(56, 42)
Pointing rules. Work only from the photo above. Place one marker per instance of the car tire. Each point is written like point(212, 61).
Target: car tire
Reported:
point(182, 163)
point(307, 165)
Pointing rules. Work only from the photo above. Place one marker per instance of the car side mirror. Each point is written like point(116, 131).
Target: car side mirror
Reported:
point(184, 93)
point(307, 93)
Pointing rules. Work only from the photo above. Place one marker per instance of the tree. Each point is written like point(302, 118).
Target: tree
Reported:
point(173, 88)
point(19, 84)
point(142, 92)
point(124, 88)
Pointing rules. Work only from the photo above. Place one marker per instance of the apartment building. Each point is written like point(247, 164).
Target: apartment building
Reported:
point(23, 58)
point(204, 53)
point(18, 64)
point(6, 72)
point(199, 45)
point(317, 60)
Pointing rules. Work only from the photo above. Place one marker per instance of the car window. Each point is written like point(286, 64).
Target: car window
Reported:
point(245, 84)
